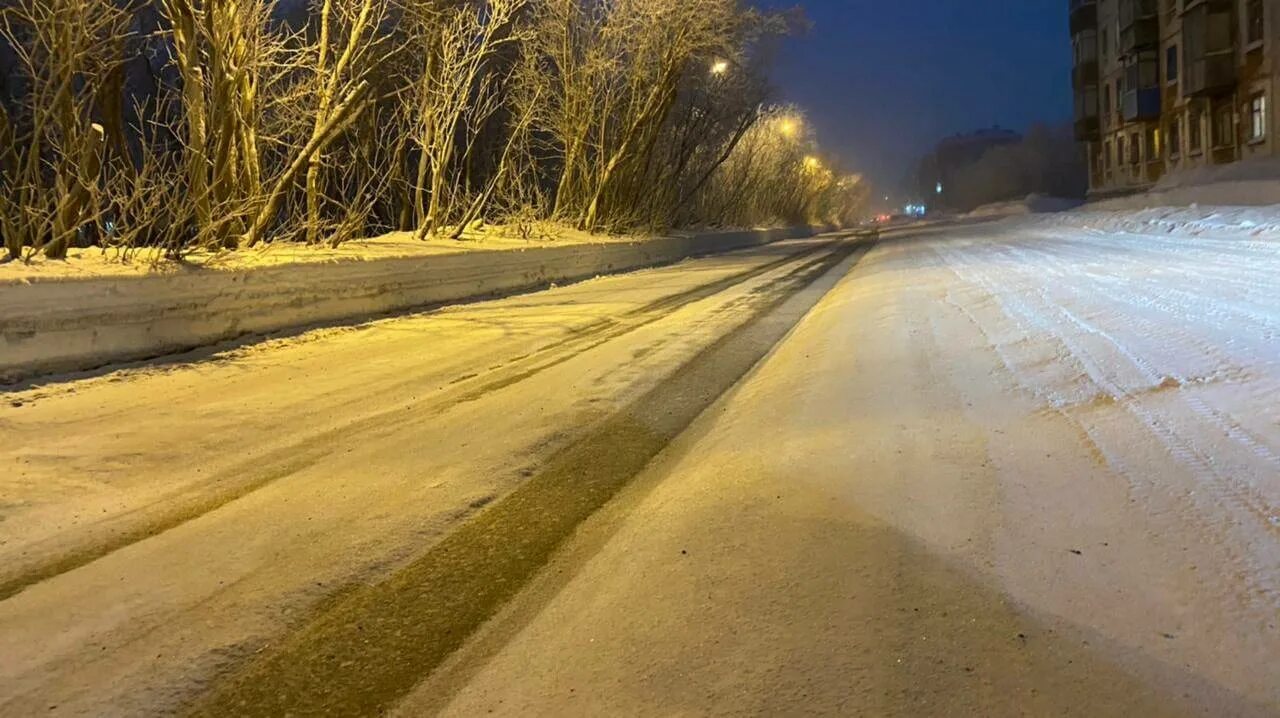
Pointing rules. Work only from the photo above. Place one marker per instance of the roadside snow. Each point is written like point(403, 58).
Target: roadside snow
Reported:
point(99, 262)
point(187, 514)
point(1212, 222)
point(1254, 182)
point(1031, 204)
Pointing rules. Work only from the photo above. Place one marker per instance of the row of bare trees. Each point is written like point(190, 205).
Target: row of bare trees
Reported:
point(209, 125)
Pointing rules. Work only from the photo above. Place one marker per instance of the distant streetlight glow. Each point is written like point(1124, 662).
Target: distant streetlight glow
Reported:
point(812, 163)
point(720, 67)
point(790, 127)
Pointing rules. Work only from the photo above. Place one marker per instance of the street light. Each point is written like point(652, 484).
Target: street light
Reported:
point(789, 127)
point(719, 67)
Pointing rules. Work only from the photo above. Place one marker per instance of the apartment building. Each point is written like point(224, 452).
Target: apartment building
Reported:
point(1170, 85)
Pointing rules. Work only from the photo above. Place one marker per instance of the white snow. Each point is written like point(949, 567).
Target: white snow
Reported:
point(1059, 426)
point(1255, 182)
point(240, 489)
point(1260, 224)
point(1028, 467)
point(88, 313)
point(1031, 204)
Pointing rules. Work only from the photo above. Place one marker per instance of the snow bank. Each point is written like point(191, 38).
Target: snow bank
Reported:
point(1250, 183)
point(1193, 221)
point(1032, 204)
point(68, 323)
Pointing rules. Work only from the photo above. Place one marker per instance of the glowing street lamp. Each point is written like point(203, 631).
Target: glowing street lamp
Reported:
point(812, 163)
point(790, 127)
point(720, 67)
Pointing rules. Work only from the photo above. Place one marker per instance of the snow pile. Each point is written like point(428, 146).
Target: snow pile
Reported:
point(1193, 221)
point(1249, 183)
point(1031, 204)
point(71, 321)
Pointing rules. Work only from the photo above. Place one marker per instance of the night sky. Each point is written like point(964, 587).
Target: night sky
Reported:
point(883, 80)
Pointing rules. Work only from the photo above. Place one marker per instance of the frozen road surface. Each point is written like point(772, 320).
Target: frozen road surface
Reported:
point(1002, 469)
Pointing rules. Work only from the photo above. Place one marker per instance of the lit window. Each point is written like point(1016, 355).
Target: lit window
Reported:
point(1258, 117)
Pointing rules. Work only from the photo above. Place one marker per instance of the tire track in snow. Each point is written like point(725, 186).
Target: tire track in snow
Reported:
point(242, 479)
point(1182, 442)
point(1024, 317)
point(1134, 325)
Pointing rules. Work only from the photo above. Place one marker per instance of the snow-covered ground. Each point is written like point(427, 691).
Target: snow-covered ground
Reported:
point(1254, 182)
point(182, 516)
point(1022, 468)
point(1031, 204)
point(90, 262)
point(1189, 222)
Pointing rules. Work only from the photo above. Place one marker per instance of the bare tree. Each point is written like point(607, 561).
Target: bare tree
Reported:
point(341, 76)
point(51, 146)
point(431, 115)
point(460, 88)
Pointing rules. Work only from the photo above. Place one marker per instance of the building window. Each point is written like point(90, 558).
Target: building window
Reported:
point(1255, 21)
point(1175, 136)
point(1195, 129)
point(1106, 102)
point(1135, 150)
point(1119, 150)
point(1171, 64)
point(1224, 131)
point(1106, 154)
point(1258, 117)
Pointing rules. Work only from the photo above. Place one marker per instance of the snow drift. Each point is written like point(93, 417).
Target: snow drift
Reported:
point(57, 324)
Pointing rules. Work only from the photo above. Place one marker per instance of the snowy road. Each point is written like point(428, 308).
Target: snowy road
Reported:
point(996, 470)
point(159, 525)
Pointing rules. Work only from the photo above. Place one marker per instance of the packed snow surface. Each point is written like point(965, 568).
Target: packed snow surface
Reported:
point(1025, 468)
point(167, 521)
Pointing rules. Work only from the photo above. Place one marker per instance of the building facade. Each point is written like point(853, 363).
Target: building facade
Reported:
point(1171, 85)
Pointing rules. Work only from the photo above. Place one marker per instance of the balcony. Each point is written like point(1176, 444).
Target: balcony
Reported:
point(1139, 26)
point(1210, 76)
point(1087, 129)
point(1086, 121)
point(1084, 75)
point(1209, 49)
point(1084, 16)
point(1139, 105)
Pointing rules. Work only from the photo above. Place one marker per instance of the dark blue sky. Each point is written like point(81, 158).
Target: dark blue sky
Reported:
point(883, 80)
